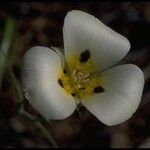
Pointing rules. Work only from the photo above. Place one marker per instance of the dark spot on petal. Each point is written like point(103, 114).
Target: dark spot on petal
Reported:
point(73, 94)
point(65, 71)
point(60, 83)
point(84, 56)
point(99, 89)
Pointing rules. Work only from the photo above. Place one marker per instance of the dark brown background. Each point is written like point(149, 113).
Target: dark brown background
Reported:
point(40, 23)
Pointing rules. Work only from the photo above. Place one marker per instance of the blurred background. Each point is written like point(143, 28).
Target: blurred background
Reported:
point(27, 24)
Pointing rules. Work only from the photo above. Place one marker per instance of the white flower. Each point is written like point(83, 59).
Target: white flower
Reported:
point(54, 88)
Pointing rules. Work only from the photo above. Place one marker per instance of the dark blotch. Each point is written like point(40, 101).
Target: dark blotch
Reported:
point(65, 71)
point(73, 94)
point(84, 56)
point(60, 83)
point(99, 89)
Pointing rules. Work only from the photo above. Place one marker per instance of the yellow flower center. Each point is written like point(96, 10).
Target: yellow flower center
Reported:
point(78, 80)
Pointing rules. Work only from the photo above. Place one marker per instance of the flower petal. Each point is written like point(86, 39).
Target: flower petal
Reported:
point(41, 68)
point(83, 31)
point(123, 90)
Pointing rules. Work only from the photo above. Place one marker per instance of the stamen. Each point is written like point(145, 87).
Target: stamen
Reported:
point(74, 72)
point(75, 78)
point(86, 81)
point(80, 74)
point(86, 75)
point(79, 86)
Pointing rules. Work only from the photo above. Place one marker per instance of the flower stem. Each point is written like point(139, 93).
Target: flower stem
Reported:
point(17, 87)
point(40, 126)
point(6, 41)
point(47, 134)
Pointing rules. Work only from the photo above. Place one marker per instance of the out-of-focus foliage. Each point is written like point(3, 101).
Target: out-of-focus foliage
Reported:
point(40, 23)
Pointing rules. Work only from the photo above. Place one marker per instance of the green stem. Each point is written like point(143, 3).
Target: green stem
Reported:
point(26, 114)
point(19, 95)
point(47, 134)
point(40, 126)
point(6, 41)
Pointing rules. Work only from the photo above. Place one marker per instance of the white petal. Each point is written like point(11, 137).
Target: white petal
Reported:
point(145, 144)
point(123, 90)
point(83, 31)
point(41, 68)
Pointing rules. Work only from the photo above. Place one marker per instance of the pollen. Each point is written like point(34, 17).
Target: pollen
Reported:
point(77, 80)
